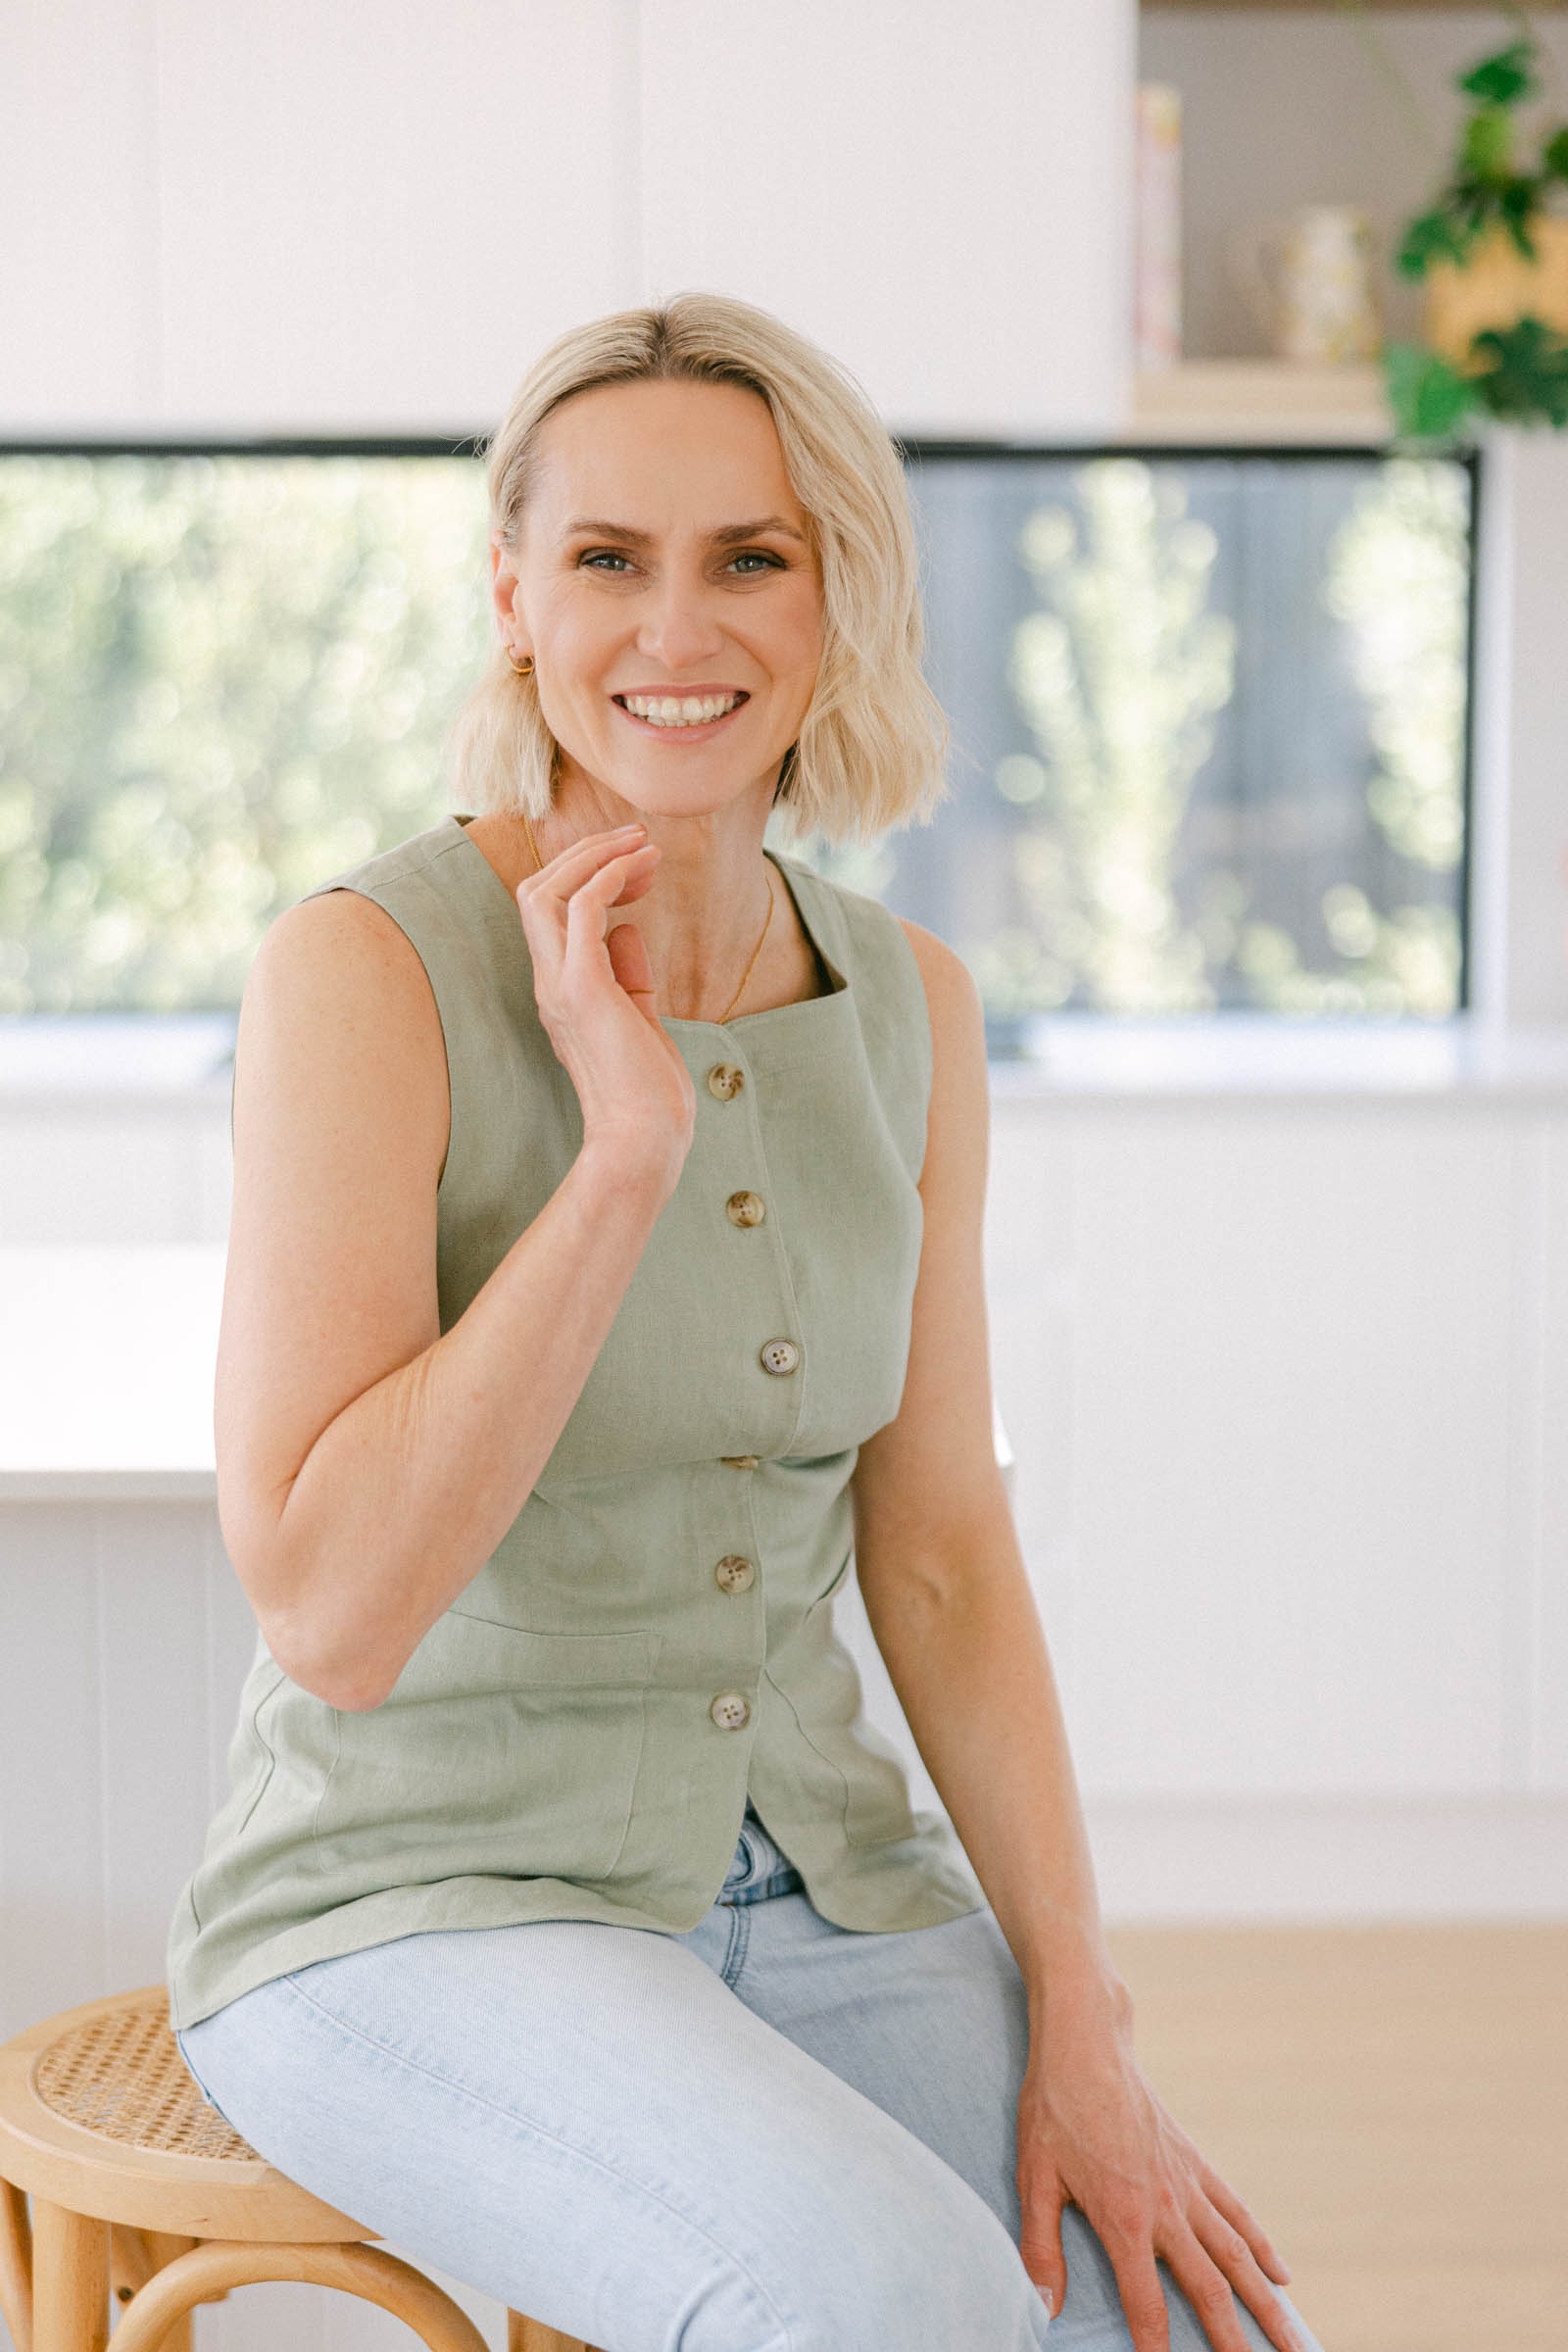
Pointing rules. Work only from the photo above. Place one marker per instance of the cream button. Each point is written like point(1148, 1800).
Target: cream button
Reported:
point(740, 1461)
point(744, 1209)
point(725, 1081)
point(730, 1710)
point(780, 1355)
point(735, 1572)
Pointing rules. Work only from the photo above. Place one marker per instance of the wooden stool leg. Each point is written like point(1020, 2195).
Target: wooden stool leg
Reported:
point(130, 2261)
point(214, 2265)
point(15, 2265)
point(165, 2245)
point(527, 2336)
point(70, 2280)
point(137, 2255)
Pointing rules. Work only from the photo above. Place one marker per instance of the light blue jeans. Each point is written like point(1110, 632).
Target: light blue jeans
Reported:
point(769, 2135)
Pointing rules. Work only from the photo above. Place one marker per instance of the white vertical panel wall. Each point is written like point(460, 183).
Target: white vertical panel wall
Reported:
point(124, 1638)
point(296, 218)
point(1542, 1457)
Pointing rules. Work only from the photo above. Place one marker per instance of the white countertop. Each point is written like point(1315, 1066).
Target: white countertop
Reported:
point(107, 1357)
point(107, 1360)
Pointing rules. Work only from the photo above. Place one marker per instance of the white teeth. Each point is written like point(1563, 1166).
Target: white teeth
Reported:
point(683, 711)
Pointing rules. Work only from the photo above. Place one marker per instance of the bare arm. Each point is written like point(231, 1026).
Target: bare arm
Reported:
point(939, 1567)
point(370, 1463)
point(949, 1599)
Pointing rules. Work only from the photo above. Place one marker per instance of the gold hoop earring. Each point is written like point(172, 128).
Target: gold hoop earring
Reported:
point(522, 668)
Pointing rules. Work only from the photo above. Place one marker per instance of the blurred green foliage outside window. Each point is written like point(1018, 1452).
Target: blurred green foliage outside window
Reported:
point(222, 679)
point(1209, 720)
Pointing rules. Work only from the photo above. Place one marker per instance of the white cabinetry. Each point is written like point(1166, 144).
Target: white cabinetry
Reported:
point(1285, 1373)
point(300, 220)
point(939, 195)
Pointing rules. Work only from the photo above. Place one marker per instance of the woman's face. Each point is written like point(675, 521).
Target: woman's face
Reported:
point(666, 590)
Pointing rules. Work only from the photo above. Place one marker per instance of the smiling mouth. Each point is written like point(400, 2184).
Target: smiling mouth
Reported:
point(679, 710)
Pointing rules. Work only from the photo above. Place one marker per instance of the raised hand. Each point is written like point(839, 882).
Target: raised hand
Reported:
point(595, 992)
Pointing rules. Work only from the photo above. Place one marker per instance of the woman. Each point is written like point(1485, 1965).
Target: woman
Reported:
point(606, 1258)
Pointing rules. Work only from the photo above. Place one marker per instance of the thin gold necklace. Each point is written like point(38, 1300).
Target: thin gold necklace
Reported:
point(538, 868)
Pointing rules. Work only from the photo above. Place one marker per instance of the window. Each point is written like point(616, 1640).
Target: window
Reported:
point(223, 676)
point(1210, 718)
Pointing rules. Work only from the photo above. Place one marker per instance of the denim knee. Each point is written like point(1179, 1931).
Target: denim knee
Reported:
point(924, 2282)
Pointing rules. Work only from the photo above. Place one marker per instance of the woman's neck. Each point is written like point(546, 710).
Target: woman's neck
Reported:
point(702, 918)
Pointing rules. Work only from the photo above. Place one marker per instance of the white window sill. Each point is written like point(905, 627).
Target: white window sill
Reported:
point(1260, 1056)
point(184, 1061)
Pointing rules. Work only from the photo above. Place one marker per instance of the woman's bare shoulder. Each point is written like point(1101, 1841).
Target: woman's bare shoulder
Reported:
point(950, 986)
point(338, 1005)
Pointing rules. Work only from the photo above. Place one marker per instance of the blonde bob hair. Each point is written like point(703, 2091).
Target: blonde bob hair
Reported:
point(871, 751)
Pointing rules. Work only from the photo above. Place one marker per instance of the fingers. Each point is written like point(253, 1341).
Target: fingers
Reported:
point(1143, 2300)
point(1039, 2242)
point(1230, 2255)
point(1212, 2276)
point(589, 904)
point(1236, 2213)
point(563, 904)
point(562, 874)
point(628, 960)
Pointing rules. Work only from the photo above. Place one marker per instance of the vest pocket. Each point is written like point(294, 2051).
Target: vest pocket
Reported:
point(499, 1752)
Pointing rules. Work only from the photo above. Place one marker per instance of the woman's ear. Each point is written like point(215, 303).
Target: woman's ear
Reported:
point(503, 585)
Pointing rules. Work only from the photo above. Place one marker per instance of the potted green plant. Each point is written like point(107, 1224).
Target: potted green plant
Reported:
point(1494, 255)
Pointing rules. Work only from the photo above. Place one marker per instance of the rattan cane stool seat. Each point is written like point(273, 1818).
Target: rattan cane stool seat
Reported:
point(138, 2184)
point(98, 2111)
point(122, 2075)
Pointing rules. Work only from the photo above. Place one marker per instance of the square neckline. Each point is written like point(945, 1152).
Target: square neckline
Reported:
point(768, 1013)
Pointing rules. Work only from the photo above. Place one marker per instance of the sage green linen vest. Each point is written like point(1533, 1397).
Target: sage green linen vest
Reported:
point(652, 1641)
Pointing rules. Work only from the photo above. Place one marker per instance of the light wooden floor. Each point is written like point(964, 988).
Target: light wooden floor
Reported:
point(1392, 2103)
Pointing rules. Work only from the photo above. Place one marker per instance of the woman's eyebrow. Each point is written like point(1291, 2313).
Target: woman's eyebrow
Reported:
point(726, 537)
point(754, 530)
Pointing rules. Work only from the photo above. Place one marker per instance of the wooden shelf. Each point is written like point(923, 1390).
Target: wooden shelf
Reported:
point(1261, 400)
point(1380, 7)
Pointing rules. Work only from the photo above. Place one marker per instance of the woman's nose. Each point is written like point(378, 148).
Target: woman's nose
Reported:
point(680, 626)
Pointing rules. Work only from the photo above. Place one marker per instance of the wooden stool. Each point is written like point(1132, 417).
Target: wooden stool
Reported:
point(139, 2186)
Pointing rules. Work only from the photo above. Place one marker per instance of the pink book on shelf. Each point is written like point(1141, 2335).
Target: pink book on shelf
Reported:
point(1158, 274)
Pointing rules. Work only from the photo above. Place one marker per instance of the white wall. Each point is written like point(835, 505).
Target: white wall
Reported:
point(312, 215)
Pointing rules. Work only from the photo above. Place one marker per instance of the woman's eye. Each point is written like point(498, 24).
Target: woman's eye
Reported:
point(611, 560)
